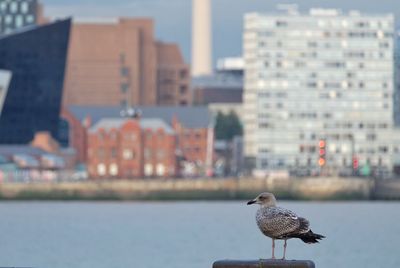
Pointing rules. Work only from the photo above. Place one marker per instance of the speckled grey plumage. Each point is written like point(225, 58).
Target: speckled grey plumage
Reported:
point(280, 223)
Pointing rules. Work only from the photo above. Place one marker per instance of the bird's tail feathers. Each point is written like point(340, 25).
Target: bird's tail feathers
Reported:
point(310, 237)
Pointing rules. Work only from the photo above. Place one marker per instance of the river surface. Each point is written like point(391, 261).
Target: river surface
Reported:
point(189, 234)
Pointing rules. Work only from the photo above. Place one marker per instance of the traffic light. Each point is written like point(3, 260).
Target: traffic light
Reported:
point(355, 163)
point(322, 153)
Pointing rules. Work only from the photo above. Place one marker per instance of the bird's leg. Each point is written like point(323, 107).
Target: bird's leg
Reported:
point(273, 249)
point(284, 249)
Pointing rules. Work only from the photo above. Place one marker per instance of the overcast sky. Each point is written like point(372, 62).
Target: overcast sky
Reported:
point(173, 17)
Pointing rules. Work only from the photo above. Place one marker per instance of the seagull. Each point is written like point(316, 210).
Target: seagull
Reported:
point(281, 224)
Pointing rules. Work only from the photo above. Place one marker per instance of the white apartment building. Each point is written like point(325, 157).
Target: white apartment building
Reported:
point(323, 75)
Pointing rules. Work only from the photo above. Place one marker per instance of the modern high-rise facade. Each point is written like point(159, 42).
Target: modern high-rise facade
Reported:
point(201, 38)
point(323, 76)
point(15, 14)
point(116, 63)
point(35, 60)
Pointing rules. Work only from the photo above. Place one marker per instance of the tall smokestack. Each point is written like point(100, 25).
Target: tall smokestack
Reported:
point(201, 38)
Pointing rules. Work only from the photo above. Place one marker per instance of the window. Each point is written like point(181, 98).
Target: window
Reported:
point(383, 125)
point(128, 154)
point(114, 152)
point(281, 23)
point(371, 137)
point(148, 169)
point(335, 64)
point(101, 169)
point(312, 44)
point(383, 149)
point(123, 103)
point(160, 169)
point(125, 71)
point(124, 87)
point(19, 21)
point(183, 90)
point(13, 7)
point(263, 125)
point(183, 74)
point(8, 19)
point(24, 7)
point(3, 6)
point(113, 170)
point(29, 19)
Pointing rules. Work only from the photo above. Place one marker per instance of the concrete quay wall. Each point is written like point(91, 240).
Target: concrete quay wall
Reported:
point(192, 189)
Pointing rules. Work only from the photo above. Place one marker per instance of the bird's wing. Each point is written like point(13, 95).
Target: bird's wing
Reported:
point(285, 222)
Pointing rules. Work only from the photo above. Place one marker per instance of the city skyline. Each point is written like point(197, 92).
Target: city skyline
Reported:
point(227, 26)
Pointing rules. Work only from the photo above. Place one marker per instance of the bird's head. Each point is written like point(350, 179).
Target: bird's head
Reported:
point(264, 199)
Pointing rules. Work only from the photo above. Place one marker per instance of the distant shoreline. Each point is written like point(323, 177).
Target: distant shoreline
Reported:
point(302, 189)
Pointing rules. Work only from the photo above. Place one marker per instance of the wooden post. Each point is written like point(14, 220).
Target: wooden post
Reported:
point(264, 264)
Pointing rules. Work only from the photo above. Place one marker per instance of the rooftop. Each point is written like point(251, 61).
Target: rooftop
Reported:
point(190, 117)
point(149, 123)
point(292, 10)
point(20, 149)
point(223, 80)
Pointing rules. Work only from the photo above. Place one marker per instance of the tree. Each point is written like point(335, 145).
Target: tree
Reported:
point(227, 126)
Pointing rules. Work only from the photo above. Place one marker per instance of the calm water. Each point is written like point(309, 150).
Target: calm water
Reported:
point(182, 235)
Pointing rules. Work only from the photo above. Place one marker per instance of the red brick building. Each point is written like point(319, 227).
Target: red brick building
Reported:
point(131, 148)
point(190, 125)
point(120, 62)
point(173, 76)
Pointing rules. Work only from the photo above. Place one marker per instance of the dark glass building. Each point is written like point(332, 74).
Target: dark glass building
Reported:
point(36, 58)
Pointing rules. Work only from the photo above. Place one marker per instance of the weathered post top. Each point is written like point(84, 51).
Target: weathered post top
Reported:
point(264, 264)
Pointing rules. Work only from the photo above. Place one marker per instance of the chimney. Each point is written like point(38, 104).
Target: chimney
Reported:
point(201, 38)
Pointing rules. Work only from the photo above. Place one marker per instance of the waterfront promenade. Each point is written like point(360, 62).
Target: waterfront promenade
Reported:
point(329, 188)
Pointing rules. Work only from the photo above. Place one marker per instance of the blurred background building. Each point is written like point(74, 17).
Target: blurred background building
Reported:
point(190, 127)
point(36, 58)
point(15, 14)
point(173, 76)
point(319, 91)
point(225, 85)
point(131, 148)
point(119, 62)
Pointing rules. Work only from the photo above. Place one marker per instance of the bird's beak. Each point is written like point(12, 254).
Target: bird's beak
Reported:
point(251, 202)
